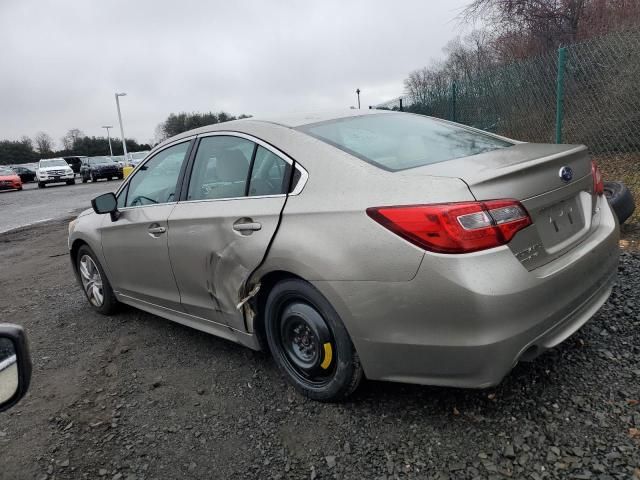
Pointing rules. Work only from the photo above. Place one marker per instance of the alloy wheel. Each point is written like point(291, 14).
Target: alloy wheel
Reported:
point(91, 280)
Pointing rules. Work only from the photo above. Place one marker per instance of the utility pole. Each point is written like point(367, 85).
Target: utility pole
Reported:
point(124, 144)
point(109, 138)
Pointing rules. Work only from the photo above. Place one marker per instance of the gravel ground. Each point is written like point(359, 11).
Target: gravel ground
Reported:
point(137, 397)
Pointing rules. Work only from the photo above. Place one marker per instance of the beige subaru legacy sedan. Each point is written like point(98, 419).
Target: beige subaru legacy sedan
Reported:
point(365, 243)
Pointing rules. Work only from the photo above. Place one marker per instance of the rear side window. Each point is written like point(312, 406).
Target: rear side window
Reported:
point(221, 168)
point(399, 141)
point(270, 174)
point(234, 167)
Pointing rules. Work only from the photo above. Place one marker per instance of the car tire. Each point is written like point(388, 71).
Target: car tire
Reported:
point(40, 185)
point(109, 303)
point(71, 182)
point(620, 199)
point(309, 342)
point(120, 177)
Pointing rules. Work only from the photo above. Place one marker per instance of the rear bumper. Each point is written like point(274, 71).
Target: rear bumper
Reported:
point(466, 320)
point(11, 186)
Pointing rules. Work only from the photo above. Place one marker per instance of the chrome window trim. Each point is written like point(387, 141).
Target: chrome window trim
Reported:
point(124, 209)
point(226, 199)
point(304, 175)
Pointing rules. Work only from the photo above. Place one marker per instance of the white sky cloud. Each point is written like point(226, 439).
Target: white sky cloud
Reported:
point(62, 61)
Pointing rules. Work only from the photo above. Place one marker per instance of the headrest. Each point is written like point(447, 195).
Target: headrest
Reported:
point(231, 166)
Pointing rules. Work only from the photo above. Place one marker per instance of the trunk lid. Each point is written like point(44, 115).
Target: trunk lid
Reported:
point(561, 210)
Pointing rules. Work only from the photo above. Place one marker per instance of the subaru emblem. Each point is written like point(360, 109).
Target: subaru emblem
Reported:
point(566, 174)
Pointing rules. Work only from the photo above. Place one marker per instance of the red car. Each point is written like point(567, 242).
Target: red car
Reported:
point(9, 180)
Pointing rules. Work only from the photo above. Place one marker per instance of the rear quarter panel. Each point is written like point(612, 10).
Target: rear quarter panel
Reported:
point(325, 233)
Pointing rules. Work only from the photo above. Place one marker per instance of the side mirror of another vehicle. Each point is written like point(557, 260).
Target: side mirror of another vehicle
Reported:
point(15, 365)
point(106, 203)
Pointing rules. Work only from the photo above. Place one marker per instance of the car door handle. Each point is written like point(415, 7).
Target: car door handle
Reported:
point(247, 227)
point(156, 230)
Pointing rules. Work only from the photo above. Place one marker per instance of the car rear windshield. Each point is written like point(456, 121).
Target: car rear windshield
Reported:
point(399, 141)
point(6, 171)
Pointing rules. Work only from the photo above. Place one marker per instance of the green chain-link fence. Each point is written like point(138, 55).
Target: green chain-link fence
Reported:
point(585, 93)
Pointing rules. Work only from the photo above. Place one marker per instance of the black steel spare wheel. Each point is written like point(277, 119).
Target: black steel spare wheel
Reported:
point(309, 342)
point(306, 342)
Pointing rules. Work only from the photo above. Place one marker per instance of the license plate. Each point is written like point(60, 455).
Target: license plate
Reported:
point(560, 221)
point(56, 178)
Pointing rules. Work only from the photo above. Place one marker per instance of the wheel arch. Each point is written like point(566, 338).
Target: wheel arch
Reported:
point(267, 281)
point(73, 253)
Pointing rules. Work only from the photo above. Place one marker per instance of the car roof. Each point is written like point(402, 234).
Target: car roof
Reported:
point(292, 120)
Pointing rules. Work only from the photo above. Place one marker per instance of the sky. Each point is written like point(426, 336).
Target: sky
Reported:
point(63, 61)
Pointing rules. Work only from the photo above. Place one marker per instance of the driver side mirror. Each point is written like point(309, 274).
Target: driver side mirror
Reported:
point(15, 365)
point(106, 203)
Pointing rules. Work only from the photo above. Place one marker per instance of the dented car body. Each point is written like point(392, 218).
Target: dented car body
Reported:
point(313, 203)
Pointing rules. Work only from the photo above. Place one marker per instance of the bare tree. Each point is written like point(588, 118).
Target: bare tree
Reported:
point(26, 141)
point(521, 28)
point(43, 142)
point(70, 139)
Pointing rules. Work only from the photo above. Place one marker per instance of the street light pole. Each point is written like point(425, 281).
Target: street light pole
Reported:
point(109, 138)
point(124, 144)
point(358, 92)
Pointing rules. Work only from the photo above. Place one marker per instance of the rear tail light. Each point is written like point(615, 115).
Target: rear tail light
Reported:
point(598, 183)
point(455, 227)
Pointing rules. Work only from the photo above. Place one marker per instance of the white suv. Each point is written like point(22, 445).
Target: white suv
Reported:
point(54, 170)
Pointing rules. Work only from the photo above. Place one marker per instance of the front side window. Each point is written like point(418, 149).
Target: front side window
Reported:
point(270, 174)
point(221, 168)
point(156, 181)
point(398, 141)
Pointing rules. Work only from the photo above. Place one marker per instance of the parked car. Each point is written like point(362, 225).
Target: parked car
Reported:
point(95, 168)
point(54, 170)
point(385, 244)
point(15, 365)
point(9, 180)
point(25, 174)
point(74, 162)
point(136, 157)
point(119, 160)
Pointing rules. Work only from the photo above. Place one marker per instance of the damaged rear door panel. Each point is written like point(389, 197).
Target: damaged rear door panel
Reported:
point(216, 243)
point(212, 260)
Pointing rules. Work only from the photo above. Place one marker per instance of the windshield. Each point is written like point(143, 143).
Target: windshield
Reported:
point(99, 160)
point(54, 162)
point(6, 171)
point(398, 141)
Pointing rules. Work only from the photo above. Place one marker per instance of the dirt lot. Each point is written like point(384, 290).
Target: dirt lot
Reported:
point(137, 397)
